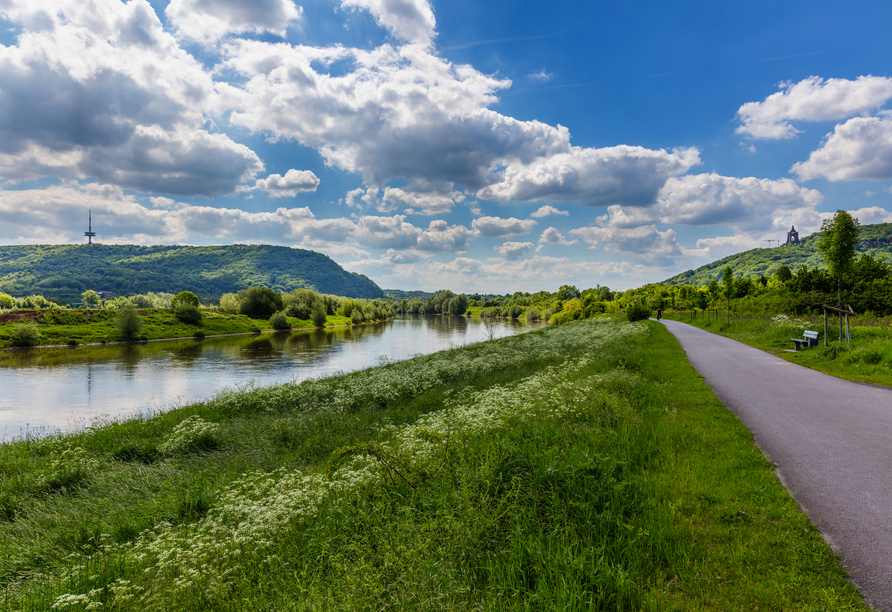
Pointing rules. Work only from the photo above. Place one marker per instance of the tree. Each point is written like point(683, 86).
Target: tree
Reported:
point(90, 298)
point(318, 314)
point(6, 301)
point(783, 274)
point(713, 291)
point(185, 297)
point(259, 302)
point(128, 322)
point(279, 321)
point(568, 292)
point(728, 282)
point(838, 241)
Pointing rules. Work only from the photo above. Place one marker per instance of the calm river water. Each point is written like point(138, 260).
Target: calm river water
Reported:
point(42, 390)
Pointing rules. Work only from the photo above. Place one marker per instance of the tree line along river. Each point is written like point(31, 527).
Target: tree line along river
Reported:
point(45, 390)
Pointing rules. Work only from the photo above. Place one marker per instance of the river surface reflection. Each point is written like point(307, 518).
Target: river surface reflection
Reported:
point(42, 390)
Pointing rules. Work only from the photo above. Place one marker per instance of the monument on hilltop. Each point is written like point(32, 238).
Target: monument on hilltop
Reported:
point(792, 237)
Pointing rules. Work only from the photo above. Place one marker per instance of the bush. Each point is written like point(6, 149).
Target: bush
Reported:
point(319, 315)
point(259, 302)
point(25, 334)
point(638, 312)
point(279, 321)
point(229, 303)
point(188, 314)
point(199, 335)
point(299, 303)
point(128, 322)
point(192, 435)
point(184, 297)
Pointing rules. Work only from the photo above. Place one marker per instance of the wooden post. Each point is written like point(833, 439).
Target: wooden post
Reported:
point(848, 334)
point(825, 328)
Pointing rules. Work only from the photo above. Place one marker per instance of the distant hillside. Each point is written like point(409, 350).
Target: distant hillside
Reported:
point(61, 272)
point(875, 240)
point(399, 294)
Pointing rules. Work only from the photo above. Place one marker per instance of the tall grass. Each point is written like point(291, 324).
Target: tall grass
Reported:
point(570, 468)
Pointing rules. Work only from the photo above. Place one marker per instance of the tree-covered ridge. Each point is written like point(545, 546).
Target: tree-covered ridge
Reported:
point(875, 240)
point(63, 272)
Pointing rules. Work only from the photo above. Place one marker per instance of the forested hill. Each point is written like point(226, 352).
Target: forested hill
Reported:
point(876, 240)
point(62, 273)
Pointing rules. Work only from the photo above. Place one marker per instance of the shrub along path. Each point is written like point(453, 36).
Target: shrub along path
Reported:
point(829, 437)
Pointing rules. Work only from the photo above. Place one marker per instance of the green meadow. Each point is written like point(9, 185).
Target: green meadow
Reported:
point(578, 467)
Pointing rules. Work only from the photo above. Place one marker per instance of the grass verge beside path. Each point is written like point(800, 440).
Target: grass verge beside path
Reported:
point(868, 359)
point(577, 467)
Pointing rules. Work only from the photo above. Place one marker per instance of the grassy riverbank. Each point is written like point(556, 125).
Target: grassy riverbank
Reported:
point(575, 467)
point(867, 359)
point(61, 327)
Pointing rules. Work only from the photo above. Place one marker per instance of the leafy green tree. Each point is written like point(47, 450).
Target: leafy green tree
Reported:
point(783, 274)
point(6, 301)
point(25, 334)
point(728, 282)
point(318, 315)
point(185, 297)
point(128, 322)
point(299, 303)
point(458, 305)
point(838, 242)
point(188, 314)
point(259, 302)
point(229, 303)
point(713, 291)
point(91, 298)
point(279, 321)
point(567, 292)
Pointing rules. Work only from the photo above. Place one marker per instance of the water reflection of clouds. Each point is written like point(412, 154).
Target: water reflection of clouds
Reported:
point(65, 388)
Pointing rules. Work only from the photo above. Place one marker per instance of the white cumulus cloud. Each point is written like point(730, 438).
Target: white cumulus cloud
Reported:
point(812, 99)
point(294, 182)
point(547, 210)
point(860, 148)
point(208, 20)
point(513, 251)
point(412, 21)
point(498, 226)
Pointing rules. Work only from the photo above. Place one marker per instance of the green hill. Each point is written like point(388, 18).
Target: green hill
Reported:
point(63, 272)
point(876, 240)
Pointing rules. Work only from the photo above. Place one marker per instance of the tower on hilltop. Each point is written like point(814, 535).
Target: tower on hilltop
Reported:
point(90, 233)
point(792, 236)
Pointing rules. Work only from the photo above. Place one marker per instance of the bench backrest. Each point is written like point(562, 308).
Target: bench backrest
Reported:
point(811, 334)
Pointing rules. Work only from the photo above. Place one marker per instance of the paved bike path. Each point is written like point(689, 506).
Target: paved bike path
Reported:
point(831, 440)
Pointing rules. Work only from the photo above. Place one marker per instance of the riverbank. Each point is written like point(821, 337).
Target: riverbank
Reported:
point(97, 327)
point(575, 467)
point(868, 358)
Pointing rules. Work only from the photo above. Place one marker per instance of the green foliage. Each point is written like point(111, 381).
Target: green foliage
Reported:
point(185, 297)
point(783, 273)
point(638, 312)
point(299, 303)
point(192, 435)
point(128, 322)
point(91, 298)
point(568, 292)
point(229, 303)
point(188, 314)
point(319, 314)
point(6, 301)
point(25, 334)
point(64, 272)
point(279, 321)
point(259, 302)
point(839, 239)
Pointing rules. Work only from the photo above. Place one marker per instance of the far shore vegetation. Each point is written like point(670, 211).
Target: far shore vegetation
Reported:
point(576, 467)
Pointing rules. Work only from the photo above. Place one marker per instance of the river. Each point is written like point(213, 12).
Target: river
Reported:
point(46, 390)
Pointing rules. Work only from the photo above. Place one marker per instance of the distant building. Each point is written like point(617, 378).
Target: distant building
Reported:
point(792, 236)
point(105, 294)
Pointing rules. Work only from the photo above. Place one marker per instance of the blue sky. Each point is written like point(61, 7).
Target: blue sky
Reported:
point(479, 146)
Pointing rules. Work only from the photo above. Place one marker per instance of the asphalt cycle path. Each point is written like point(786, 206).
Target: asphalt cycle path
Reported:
point(830, 438)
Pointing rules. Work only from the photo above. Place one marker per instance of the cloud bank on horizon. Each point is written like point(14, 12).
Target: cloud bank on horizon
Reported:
point(368, 130)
